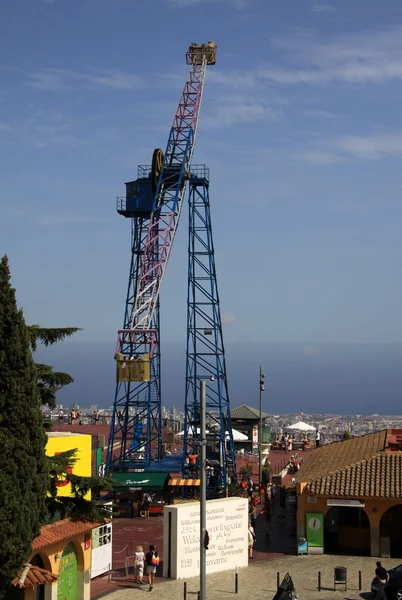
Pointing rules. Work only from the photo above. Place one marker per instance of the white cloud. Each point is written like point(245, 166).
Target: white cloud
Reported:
point(116, 79)
point(322, 7)
point(318, 157)
point(228, 318)
point(58, 80)
point(374, 146)
point(312, 350)
point(317, 113)
point(234, 79)
point(358, 57)
point(237, 4)
point(51, 220)
point(48, 220)
point(16, 213)
point(45, 127)
point(229, 110)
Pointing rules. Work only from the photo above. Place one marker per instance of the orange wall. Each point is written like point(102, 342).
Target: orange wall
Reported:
point(374, 508)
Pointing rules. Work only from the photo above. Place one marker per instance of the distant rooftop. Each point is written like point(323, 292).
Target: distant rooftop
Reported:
point(63, 433)
point(246, 413)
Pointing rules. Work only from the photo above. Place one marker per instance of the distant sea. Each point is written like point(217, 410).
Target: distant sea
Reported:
point(355, 378)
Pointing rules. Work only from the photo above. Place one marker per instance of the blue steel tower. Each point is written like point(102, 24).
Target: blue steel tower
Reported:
point(153, 202)
point(205, 348)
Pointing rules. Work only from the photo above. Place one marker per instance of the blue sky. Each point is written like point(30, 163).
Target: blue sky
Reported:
point(300, 126)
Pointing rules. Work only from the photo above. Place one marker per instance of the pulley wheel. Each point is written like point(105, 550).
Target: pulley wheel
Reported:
point(157, 163)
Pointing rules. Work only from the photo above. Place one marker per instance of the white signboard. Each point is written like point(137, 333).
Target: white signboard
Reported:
point(255, 436)
point(101, 550)
point(342, 502)
point(227, 526)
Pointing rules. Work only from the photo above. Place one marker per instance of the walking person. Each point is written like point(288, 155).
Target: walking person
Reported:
point(251, 540)
point(317, 438)
point(267, 519)
point(145, 506)
point(151, 561)
point(382, 578)
point(252, 512)
point(139, 558)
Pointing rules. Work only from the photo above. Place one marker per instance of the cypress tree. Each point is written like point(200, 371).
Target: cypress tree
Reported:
point(23, 476)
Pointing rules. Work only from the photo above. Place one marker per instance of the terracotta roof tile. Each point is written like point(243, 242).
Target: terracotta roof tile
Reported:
point(330, 458)
point(61, 530)
point(378, 476)
point(30, 575)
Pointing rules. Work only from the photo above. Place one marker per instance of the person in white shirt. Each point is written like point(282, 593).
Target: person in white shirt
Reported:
point(139, 558)
point(317, 438)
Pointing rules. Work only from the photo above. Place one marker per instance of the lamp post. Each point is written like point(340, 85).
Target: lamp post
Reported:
point(203, 494)
point(262, 389)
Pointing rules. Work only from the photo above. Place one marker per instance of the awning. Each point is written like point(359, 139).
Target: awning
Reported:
point(140, 481)
point(186, 482)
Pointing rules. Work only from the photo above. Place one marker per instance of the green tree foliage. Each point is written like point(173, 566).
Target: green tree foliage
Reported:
point(346, 435)
point(74, 506)
point(49, 336)
point(49, 381)
point(23, 474)
point(247, 471)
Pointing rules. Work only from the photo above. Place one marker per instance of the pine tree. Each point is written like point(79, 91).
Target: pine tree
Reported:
point(75, 506)
point(49, 381)
point(23, 474)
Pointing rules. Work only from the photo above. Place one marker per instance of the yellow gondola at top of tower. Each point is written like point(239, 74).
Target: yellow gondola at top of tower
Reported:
point(134, 368)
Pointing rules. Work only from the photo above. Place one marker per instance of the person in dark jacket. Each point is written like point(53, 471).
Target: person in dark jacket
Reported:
point(151, 562)
point(382, 578)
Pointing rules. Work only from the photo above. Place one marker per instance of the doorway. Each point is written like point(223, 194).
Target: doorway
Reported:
point(391, 528)
point(347, 531)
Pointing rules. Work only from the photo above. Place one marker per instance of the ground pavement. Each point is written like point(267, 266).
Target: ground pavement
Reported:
point(258, 580)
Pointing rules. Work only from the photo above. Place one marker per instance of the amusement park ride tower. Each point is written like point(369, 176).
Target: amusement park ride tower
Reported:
point(153, 203)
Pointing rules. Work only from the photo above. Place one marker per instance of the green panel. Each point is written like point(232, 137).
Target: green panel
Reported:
point(266, 434)
point(315, 529)
point(145, 481)
point(67, 586)
point(98, 459)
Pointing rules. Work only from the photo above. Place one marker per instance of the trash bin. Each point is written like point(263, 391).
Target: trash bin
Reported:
point(302, 546)
point(340, 576)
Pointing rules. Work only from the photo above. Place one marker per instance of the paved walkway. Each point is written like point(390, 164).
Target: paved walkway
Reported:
point(258, 580)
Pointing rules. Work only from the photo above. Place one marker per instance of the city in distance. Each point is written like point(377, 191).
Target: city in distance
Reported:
point(347, 379)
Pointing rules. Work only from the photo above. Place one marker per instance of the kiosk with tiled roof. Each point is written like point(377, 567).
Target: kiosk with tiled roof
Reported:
point(352, 489)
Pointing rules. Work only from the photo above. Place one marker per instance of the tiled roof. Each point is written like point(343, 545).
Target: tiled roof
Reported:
point(61, 530)
point(30, 575)
point(379, 476)
point(246, 413)
point(330, 458)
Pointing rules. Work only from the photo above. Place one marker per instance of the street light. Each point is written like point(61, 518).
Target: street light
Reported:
point(262, 389)
point(203, 494)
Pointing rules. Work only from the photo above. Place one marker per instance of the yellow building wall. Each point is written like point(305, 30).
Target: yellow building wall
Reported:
point(83, 443)
point(51, 554)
